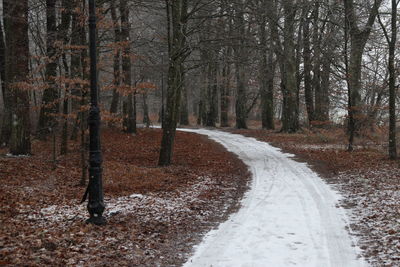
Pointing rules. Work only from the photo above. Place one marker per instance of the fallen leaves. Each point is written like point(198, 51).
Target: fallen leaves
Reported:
point(154, 214)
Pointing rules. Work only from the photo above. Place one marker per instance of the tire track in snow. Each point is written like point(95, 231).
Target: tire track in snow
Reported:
point(289, 217)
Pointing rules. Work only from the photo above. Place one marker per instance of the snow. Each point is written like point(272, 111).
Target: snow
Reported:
point(289, 217)
point(163, 208)
point(9, 155)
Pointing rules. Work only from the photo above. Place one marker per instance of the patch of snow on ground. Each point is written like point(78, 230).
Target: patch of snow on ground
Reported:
point(374, 198)
point(162, 208)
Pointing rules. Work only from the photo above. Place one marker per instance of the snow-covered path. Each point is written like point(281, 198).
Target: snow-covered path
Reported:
point(289, 217)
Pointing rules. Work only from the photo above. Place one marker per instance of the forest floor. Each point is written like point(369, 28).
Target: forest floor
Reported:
point(366, 178)
point(155, 215)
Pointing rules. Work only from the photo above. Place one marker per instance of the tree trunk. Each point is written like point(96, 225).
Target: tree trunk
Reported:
point(50, 101)
point(308, 88)
point(267, 73)
point(240, 58)
point(77, 69)
point(392, 83)
point(184, 114)
point(17, 71)
point(63, 34)
point(177, 19)
point(225, 88)
point(212, 92)
point(5, 133)
point(146, 117)
point(116, 60)
point(129, 116)
point(325, 84)
point(316, 81)
point(290, 121)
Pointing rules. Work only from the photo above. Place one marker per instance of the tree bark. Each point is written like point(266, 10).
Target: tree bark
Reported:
point(129, 116)
point(184, 113)
point(146, 117)
point(266, 76)
point(212, 93)
point(6, 120)
point(308, 88)
point(17, 71)
point(392, 84)
point(225, 88)
point(177, 12)
point(50, 101)
point(391, 40)
point(290, 120)
point(116, 60)
point(63, 34)
point(240, 58)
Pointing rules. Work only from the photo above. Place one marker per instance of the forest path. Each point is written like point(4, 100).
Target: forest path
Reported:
point(289, 216)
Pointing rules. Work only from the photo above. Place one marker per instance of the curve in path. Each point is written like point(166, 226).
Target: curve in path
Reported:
point(289, 217)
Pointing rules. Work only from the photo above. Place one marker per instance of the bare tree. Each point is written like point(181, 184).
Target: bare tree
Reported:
point(129, 103)
point(358, 38)
point(177, 16)
point(391, 40)
point(50, 101)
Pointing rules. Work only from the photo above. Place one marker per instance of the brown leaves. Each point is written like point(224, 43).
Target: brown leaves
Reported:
point(177, 205)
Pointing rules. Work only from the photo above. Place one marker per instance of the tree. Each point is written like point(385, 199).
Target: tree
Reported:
point(130, 102)
point(50, 101)
point(358, 40)
point(63, 35)
point(285, 52)
point(177, 16)
point(391, 40)
point(5, 131)
point(307, 58)
point(17, 73)
point(117, 58)
point(267, 72)
point(240, 59)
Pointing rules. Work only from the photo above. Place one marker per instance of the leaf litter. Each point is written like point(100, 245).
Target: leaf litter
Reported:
point(155, 215)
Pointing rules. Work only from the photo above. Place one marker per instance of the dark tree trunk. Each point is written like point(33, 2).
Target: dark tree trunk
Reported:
point(76, 70)
point(17, 71)
point(63, 34)
point(50, 101)
point(391, 40)
point(267, 73)
point(268, 95)
point(116, 60)
point(325, 84)
point(308, 88)
point(240, 58)
point(184, 113)
point(5, 133)
point(212, 93)
point(146, 117)
point(177, 19)
point(392, 84)
point(286, 56)
point(290, 120)
point(129, 116)
point(200, 115)
point(225, 88)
